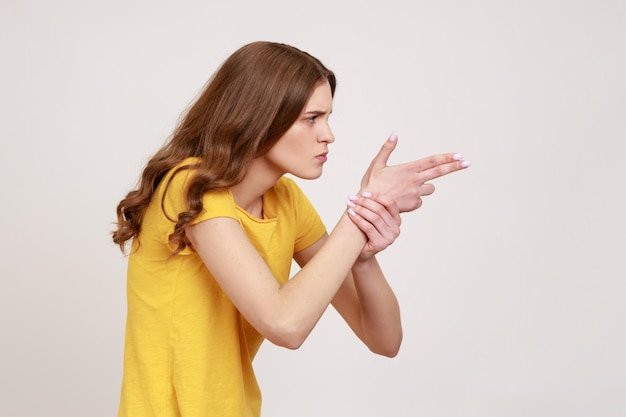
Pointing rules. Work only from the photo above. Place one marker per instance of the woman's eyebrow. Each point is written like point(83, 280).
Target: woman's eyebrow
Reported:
point(317, 112)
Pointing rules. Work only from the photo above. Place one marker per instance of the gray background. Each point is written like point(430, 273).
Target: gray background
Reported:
point(510, 277)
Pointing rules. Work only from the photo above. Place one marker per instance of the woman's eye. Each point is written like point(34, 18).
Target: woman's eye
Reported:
point(311, 119)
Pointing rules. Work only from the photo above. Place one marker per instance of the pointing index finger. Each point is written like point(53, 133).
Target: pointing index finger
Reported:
point(439, 165)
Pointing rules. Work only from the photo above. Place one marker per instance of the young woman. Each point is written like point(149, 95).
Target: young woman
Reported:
point(215, 225)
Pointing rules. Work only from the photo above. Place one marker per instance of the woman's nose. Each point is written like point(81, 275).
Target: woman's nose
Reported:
point(327, 135)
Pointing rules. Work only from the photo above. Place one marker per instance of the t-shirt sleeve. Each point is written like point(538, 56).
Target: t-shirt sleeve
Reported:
point(217, 203)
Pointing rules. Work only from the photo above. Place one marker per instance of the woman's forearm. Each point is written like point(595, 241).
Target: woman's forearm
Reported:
point(305, 297)
point(380, 313)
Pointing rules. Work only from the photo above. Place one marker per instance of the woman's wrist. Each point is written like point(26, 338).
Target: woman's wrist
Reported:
point(363, 263)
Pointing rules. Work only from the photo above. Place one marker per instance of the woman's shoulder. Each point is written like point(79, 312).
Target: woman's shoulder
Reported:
point(189, 163)
point(179, 174)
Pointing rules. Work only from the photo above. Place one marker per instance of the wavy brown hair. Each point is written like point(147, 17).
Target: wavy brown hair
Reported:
point(247, 105)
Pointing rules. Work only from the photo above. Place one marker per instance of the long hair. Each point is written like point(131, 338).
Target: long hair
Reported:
point(247, 105)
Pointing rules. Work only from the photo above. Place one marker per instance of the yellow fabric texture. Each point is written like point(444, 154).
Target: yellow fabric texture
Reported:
point(188, 351)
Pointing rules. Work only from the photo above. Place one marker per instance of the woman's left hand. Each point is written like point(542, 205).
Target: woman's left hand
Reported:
point(379, 218)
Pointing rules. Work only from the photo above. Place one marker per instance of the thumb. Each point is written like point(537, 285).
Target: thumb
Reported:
point(381, 158)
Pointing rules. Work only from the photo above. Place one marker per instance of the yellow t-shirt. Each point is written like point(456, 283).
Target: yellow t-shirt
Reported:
point(188, 350)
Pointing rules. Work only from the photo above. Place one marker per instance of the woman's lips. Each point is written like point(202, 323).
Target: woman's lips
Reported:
point(322, 157)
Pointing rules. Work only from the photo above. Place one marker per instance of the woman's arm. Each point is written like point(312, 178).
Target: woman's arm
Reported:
point(365, 300)
point(367, 304)
point(285, 314)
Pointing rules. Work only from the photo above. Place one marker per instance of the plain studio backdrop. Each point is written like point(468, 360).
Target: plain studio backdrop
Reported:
point(511, 277)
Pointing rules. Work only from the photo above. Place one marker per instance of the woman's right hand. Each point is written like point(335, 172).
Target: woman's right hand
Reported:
point(408, 182)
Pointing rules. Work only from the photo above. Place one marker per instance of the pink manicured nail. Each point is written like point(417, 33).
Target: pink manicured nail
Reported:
point(350, 204)
point(351, 212)
point(353, 198)
point(366, 195)
point(465, 164)
point(393, 137)
point(457, 156)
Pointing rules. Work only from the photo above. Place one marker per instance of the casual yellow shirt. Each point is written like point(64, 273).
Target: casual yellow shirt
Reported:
point(188, 351)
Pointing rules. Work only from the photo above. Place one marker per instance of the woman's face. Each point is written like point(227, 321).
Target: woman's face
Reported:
point(303, 149)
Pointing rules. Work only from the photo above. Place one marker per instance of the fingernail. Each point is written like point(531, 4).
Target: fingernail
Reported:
point(351, 212)
point(465, 164)
point(393, 137)
point(353, 198)
point(366, 195)
point(457, 156)
point(350, 204)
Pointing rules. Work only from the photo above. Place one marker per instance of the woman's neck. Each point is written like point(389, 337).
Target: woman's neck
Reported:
point(248, 194)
